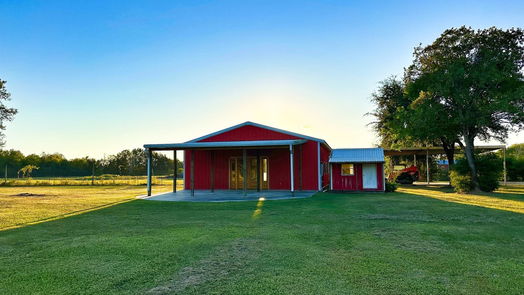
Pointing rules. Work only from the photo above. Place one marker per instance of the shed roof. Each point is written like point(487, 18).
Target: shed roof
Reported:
point(224, 144)
point(362, 155)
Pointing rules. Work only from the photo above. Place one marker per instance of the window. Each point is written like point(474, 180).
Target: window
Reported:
point(348, 169)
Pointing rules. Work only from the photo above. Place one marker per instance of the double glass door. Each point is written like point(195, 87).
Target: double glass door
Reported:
point(254, 175)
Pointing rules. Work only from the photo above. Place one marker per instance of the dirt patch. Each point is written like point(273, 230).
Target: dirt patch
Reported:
point(29, 195)
point(224, 262)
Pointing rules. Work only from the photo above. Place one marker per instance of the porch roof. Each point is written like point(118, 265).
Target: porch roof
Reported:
point(223, 144)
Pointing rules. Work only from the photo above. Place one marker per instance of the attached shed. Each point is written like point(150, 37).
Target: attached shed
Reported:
point(359, 169)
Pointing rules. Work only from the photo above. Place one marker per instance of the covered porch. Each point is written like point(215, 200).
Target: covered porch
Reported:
point(223, 166)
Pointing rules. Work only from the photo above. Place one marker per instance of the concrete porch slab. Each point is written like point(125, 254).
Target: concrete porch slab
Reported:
point(226, 196)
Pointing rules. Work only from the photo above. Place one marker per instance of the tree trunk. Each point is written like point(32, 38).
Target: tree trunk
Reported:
point(449, 149)
point(470, 156)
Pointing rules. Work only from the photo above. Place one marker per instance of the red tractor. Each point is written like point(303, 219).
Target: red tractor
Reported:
point(407, 175)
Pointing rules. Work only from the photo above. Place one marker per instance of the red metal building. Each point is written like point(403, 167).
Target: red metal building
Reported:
point(357, 170)
point(251, 156)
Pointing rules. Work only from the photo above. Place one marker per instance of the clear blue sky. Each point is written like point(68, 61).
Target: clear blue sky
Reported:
point(95, 77)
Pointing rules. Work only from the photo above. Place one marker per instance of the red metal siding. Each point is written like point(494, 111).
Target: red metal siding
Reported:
point(278, 160)
point(380, 177)
point(354, 182)
point(346, 183)
point(249, 132)
point(324, 159)
point(309, 166)
point(278, 165)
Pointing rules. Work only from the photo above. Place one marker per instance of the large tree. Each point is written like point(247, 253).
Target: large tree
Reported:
point(476, 79)
point(6, 114)
point(400, 119)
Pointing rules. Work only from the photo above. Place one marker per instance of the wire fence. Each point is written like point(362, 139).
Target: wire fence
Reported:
point(88, 180)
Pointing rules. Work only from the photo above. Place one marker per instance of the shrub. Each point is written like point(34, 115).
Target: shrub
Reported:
point(489, 171)
point(461, 183)
point(390, 187)
point(515, 169)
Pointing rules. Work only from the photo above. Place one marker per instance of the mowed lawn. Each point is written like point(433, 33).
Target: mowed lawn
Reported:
point(420, 240)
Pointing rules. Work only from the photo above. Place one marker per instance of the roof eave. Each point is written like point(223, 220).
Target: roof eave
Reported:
point(226, 144)
point(355, 161)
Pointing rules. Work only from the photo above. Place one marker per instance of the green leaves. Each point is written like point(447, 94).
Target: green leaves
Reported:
point(6, 113)
point(468, 84)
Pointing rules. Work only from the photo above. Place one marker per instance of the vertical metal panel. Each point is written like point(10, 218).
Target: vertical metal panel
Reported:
point(192, 173)
point(291, 170)
point(212, 170)
point(319, 176)
point(300, 157)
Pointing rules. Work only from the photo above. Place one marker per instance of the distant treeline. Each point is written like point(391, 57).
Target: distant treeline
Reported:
point(126, 162)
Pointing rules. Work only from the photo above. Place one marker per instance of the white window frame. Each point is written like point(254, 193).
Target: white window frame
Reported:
point(342, 170)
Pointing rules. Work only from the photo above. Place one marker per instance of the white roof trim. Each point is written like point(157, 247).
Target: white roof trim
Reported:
point(224, 144)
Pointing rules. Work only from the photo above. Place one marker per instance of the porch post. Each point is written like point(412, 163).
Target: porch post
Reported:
point(244, 167)
point(192, 176)
point(427, 165)
point(330, 176)
point(174, 171)
point(212, 168)
point(292, 174)
point(148, 156)
point(258, 171)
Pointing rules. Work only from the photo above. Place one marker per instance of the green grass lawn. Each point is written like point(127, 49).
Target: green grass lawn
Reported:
point(417, 241)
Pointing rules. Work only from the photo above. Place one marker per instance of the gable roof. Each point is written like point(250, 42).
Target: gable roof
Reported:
point(248, 123)
point(365, 155)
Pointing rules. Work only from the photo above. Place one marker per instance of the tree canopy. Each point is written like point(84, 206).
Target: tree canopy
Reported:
point(467, 85)
point(6, 113)
point(127, 162)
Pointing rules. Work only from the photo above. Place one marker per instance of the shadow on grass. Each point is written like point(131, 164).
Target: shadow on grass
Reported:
point(507, 198)
point(65, 215)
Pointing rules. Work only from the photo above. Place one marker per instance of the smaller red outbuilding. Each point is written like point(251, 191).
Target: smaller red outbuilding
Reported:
point(357, 169)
